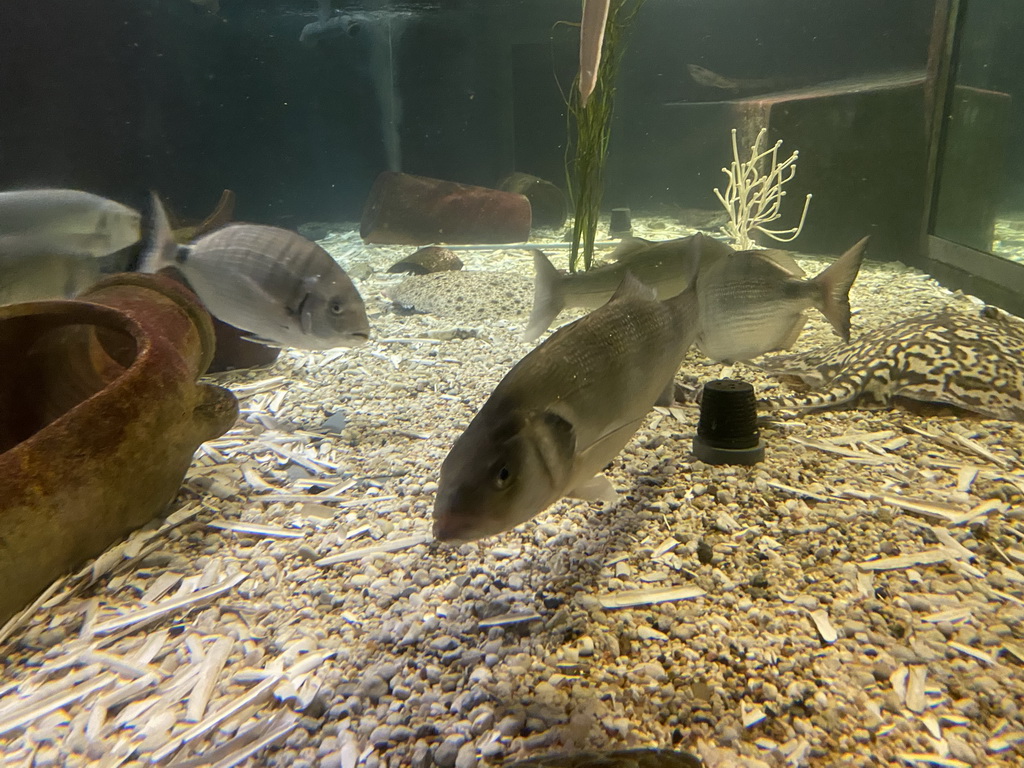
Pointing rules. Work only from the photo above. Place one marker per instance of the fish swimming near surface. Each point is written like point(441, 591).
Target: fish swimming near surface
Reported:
point(562, 413)
point(68, 221)
point(707, 78)
point(668, 267)
point(970, 361)
point(753, 302)
point(280, 287)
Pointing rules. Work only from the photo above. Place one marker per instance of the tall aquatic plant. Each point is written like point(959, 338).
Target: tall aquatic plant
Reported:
point(587, 148)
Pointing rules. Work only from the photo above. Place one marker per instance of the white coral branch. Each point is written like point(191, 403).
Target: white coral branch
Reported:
point(753, 200)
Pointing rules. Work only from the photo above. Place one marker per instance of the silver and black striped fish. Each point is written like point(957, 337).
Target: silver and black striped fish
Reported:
point(277, 285)
point(753, 302)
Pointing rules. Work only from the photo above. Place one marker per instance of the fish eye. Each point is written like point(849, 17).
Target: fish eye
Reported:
point(336, 307)
point(502, 477)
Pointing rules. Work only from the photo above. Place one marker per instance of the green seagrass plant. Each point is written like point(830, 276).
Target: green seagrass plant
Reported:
point(587, 146)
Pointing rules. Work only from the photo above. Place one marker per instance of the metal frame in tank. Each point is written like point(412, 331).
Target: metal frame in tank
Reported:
point(992, 278)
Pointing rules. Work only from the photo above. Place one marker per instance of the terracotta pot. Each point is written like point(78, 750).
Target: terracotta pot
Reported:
point(100, 414)
point(416, 210)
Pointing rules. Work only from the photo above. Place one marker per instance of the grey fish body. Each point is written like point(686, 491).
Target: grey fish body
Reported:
point(276, 284)
point(562, 413)
point(69, 220)
point(668, 267)
point(752, 302)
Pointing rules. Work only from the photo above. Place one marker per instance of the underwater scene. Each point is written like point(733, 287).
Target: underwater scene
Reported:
point(533, 383)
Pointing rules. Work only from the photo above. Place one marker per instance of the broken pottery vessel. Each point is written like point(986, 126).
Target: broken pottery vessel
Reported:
point(100, 414)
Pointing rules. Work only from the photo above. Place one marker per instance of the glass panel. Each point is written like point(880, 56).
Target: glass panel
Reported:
point(981, 177)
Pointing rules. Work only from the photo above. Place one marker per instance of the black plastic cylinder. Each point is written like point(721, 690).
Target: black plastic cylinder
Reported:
point(727, 431)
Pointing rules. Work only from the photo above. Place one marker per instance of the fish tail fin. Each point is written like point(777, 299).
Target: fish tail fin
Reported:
point(162, 249)
point(834, 285)
point(548, 297)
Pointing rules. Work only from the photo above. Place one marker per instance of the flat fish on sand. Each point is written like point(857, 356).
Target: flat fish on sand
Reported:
point(466, 295)
point(970, 361)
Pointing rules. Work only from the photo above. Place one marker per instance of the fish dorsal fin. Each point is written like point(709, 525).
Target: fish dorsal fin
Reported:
point(782, 260)
point(629, 245)
point(632, 288)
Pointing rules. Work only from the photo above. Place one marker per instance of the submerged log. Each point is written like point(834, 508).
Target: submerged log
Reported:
point(404, 209)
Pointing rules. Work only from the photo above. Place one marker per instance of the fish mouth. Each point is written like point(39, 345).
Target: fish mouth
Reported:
point(450, 530)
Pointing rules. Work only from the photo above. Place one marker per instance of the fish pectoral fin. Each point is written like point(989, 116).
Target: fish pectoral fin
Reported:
point(597, 488)
point(667, 397)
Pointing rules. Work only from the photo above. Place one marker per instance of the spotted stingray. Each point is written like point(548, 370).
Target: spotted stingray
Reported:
point(971, 361)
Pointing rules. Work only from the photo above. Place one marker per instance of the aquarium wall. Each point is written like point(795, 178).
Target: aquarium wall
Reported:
point(978, 211)
point(189, 97)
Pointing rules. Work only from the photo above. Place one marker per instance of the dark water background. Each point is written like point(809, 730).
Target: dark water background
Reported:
point(123, 96)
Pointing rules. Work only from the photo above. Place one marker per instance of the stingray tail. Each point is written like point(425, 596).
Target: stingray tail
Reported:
point(548, 297)
point(834, 288)
point(162, 250)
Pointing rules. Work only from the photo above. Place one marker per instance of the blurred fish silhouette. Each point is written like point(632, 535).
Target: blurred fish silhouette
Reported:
point(69, 220)
point(327, 25)
point(54, 243)
point(282, 288)
point(563, 412)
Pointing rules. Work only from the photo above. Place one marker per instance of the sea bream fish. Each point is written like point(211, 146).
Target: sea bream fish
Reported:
point(753, 302)
point(68, 221)
point(562, 413)
point(283, 289)
point(668, 267)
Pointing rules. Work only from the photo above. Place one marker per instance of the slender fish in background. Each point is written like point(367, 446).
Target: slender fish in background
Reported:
point(282, 288)
point(752, 302)
point(592, 25)
point(562, 413)
point(68, 221)
point(668, 267)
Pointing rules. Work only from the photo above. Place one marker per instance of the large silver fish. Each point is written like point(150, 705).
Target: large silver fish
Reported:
point(752, 302)
point(562, 413)
point(67, 221)
point(668, 267)
point(282, 288)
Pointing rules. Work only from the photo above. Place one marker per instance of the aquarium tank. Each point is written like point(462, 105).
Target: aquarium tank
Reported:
point(537, 383)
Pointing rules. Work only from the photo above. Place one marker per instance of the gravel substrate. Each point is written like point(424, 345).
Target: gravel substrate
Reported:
point(857, 599)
